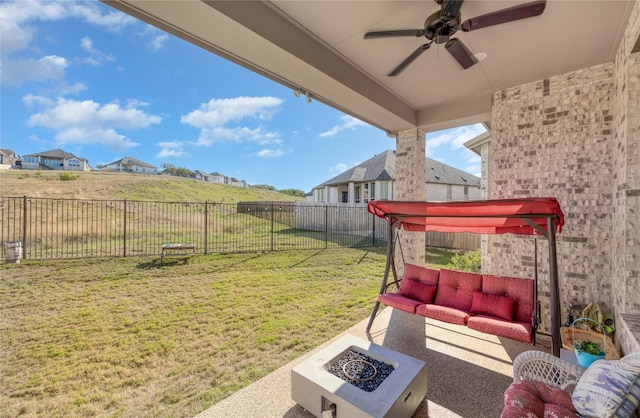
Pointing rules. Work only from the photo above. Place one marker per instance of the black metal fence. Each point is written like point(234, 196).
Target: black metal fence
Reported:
point(71, 228)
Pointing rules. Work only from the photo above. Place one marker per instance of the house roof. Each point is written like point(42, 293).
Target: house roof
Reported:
point(383, 167)
point(8, 152)
point(56, 153)
point(132, 161)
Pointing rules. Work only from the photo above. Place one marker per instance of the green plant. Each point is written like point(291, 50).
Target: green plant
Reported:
point(67, 177)
point(470, 261)
point(586, 346)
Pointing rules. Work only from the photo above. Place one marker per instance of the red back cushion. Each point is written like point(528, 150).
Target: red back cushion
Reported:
point(493, 305)
point(521, 290)
point(419, 283)
point(417, 290)
point(425, 275)
point(455, 289)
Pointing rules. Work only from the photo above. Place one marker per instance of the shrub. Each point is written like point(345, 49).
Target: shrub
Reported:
point(67, 177)
point(469, 261)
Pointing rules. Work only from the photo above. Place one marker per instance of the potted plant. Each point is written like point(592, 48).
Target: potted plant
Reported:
point(588, 351)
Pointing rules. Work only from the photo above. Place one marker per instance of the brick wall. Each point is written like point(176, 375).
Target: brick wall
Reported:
point(575, 137)
point(625, 278)
point(554, 138)
point(410, 185)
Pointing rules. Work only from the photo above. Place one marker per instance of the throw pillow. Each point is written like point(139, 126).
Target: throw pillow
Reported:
point(417, 290)
point(493, 305)
point(609, 388)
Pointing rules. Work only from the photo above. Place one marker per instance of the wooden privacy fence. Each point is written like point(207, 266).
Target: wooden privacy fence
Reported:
point(455, 240)
point(73, 228)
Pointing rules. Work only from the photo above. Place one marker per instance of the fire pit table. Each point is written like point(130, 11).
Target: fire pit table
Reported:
point(353, 378)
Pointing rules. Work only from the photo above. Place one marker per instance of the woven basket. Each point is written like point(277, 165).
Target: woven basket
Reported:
point(568, 334)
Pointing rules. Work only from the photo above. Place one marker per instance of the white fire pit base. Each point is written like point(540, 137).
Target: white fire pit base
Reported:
point(320, 392)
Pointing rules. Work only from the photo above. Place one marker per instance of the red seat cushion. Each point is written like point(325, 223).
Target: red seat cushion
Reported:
point(519, 331)
point(443, 313)
point(398, 301)
point(537, 399)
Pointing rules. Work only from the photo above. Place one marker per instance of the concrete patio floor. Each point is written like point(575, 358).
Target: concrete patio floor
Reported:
point(468, 371)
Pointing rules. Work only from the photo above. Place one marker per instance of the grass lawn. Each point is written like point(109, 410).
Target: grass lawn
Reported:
point(134, 337)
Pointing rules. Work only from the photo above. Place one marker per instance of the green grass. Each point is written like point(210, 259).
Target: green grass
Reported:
point(137, 337)
point(105, 185)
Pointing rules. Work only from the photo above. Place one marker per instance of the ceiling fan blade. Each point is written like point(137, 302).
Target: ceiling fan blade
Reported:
point(394, 33)
point(404, 64)
point(450, 9)
point(460, 52)
point(510, 14)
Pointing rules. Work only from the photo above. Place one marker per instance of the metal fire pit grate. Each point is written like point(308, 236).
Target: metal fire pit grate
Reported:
point(361, 371)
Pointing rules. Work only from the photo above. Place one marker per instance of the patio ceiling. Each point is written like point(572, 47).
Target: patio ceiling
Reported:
point(318, 47)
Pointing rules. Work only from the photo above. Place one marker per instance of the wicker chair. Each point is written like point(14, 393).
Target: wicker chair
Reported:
point(544, 367)
point(544, 385)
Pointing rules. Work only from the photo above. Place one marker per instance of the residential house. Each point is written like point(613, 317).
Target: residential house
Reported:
point(55, 160)
point(130, 165)
point(204, 176)
point(216, 177)
point(374, 180)
point(219, 178)
point(9, 159)
point(238, 183)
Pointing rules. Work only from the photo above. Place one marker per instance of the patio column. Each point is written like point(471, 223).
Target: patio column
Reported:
point(351, 192)
point(410, 184)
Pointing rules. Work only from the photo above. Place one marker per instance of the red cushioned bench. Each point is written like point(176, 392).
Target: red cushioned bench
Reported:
point(502, 306)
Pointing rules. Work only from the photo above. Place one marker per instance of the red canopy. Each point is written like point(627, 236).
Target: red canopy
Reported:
point(498, 216)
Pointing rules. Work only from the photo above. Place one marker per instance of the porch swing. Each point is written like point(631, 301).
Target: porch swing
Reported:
point(524, 216)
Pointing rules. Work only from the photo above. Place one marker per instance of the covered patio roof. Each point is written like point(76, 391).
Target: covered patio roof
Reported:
point(318, 47)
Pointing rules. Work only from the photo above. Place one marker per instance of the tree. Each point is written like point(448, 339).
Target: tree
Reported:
point(264, 187)
point(292, 192)
point(177, 171)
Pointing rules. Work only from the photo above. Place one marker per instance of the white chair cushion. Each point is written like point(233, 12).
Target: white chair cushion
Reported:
point(609, 388)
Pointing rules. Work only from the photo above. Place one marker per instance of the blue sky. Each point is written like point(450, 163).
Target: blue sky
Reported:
point(86, 78)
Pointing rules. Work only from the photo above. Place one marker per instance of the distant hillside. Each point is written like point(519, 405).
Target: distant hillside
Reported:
point(101, 185)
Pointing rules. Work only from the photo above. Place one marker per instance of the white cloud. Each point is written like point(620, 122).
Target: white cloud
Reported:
point(18, 27)
point(474, 162)
point(18, 71)
point(338, 168)
point(156, 43)
point(455, 137)
point(171, 149)
point(213, 117)
point(96, 57)
point(88, 122)
point(218, 112)
point(270, 153)
point(24, 11)
point(347, 122)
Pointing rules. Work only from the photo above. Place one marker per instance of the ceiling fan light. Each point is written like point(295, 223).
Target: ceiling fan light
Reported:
point(479, 56)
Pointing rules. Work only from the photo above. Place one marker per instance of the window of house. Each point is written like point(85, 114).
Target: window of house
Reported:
point(320, 195)
point(372, 193)
point(345, 197)
point(466, 190)
point(384, 190)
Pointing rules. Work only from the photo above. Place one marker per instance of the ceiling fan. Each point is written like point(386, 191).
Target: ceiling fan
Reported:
point(444, 23)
